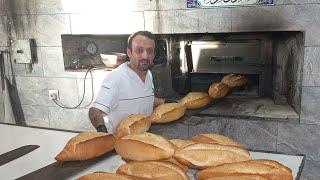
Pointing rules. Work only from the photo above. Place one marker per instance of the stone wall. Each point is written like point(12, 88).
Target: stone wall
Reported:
point(46, 20)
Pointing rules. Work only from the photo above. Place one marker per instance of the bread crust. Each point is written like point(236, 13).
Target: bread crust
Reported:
point(144, 147)
point(239, 177)
point(86, 145)
point(133, 124)
point(155, 170)
point(233, 80)
point(167, 112)
point(218, 90)
point(201, 156)
point(266, 168)
point(104, 175)
point(195, 100)
point(180, 143)
point(215, 138)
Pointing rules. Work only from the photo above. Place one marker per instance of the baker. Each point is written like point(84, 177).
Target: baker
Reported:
point(129, 88)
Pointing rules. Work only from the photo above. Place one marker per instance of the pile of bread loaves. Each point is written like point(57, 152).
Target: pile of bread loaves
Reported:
point(151, 156)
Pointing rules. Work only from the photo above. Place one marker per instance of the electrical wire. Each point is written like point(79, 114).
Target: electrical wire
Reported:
point(84, 92)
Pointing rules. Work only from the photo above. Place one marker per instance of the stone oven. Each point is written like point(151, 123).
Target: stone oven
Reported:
point(271, 61)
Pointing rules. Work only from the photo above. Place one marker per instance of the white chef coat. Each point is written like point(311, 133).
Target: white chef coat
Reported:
point(123, 93)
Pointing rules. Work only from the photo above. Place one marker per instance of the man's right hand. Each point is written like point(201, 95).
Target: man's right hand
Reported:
point(96, 119)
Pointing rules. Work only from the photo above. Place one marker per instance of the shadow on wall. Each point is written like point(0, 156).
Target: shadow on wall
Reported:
point(12, 104)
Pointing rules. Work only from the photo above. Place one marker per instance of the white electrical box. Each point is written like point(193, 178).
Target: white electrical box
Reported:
point(22, 51)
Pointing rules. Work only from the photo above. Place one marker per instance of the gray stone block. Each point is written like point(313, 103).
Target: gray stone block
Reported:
point(171, 5)
point(37, 7)
point(311, 170)
point(275, 18)
point(103, 23)
point(257, 135)
point(53, 64)
point(3, 7)
point(70, 119)
point(94, 6)
point(36, 115)
point(178, 21)
point(310, 105)
point(45, 29)
point(311, 69)
point(3, 31)
point(68, 91)
point(299, 139)
point(171, 130)
point(32, 91)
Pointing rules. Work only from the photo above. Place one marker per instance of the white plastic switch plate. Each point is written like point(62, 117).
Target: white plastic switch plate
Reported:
point(21, 51)
point(54, 94)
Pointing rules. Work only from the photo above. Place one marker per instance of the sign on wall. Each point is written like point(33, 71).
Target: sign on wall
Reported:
point(225, 3)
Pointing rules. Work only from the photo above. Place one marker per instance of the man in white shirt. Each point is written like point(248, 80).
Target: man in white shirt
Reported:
point(129, 88)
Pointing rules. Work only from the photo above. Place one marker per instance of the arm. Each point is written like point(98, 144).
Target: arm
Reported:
point(96, 118)
point(158, 101)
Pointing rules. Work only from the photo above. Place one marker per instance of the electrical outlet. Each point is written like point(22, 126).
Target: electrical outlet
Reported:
point(54, 94)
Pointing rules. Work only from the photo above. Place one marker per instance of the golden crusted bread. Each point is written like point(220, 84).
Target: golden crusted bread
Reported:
point(133, 124)
point(240, 177)
point(86, 145)
point(154, 170)
point(266, 168)
point(104, 175)
point(218, 90)
point(144, 147)
point(233, 80)
point(201, 156)
point(174, 161)
point(215, 138)
point(180, 143)
point(167, 112)
point(195, 100)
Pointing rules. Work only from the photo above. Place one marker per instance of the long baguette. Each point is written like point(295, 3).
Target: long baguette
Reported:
point(154, 170)
point(144, 147)
point(266, 168)
point(201, 156)
point(86, 145)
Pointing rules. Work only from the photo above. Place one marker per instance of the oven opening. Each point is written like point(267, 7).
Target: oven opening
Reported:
point(271, 62)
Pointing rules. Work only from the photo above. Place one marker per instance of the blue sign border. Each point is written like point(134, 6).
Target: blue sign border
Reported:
point(197, 4)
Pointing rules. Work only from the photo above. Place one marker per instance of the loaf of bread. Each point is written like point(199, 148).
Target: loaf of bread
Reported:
point(144, 147)
point(133, 124)
point(240, 177)
point(167, 112)
point(86, 145)
point(201, 156)
point(180, 143)
point(174, 161)
point(233, 80)
point(218, 90)
point(153, 170)
point(195, 100)
point(267, 168)
point(104, 176)
point(215, 138)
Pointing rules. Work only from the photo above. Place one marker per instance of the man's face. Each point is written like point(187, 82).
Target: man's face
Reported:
point(141, 53)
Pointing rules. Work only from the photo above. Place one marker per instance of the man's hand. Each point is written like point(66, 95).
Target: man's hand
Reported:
point(158, 101)
point(102, 128)
point(96, 119)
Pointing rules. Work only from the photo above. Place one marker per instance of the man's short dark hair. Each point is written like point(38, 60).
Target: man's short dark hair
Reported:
point(142, 33)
